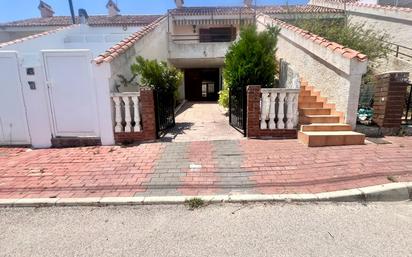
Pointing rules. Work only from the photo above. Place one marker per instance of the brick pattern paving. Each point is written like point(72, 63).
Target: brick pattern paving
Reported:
point(201, 121)
point(191, 168)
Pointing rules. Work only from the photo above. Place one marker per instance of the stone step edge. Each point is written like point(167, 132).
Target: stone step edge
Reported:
point(400, 191)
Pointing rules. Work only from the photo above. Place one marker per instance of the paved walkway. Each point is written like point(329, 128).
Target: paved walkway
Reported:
point(201, 121)
point(201, 167)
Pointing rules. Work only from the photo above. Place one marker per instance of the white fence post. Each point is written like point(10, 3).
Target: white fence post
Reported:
point(136, 114)
point(118, 127)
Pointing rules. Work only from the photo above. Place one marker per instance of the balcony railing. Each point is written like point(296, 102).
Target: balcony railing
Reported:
point(279, 108)
point(203, 38)
point(126, 112)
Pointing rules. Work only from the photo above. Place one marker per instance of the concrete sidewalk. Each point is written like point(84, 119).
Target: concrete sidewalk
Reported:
point(201, 168)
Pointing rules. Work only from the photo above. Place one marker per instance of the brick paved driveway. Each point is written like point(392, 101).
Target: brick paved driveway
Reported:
point(202, 167)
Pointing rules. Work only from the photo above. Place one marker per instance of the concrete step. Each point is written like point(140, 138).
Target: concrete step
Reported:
point(303, 99)
point(304, 93)
point(303, 105)
point(331, 138)
point(315, 111)
point(326, 127)
point(320, 119)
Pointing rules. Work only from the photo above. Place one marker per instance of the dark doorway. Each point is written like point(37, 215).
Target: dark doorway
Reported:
point(202, 84)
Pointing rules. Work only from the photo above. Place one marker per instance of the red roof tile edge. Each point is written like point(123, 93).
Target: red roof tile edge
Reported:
point(334, 47)
point(24, 39)
point(113, 52)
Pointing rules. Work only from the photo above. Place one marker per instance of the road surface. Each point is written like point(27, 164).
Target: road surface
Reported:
point(383, 229)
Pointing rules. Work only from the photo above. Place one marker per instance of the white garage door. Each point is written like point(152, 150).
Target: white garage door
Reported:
point(72, 93)
point(13, 121)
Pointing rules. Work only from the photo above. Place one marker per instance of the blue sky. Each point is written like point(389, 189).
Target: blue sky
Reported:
point(21, 9)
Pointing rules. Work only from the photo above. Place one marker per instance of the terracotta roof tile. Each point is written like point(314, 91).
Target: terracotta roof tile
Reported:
point(110, 54)
point(335, 47)
point(20, 40)
point(94, 20)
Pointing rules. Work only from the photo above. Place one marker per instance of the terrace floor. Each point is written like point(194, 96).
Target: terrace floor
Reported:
point(201, 121)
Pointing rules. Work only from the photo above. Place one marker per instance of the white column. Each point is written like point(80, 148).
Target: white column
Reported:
point(136, 118)
point(127, 116)
point(295, 109)
point(272, 111)
point(118, 115)
point(289, 110)
point(264, 110)
point(281, 113)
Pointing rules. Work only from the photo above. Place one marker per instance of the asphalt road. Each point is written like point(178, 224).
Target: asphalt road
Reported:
point(383, 229)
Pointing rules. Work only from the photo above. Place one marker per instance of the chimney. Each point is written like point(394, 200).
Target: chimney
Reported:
point(179, 3)
point(46, 10)
point(248, 3)
point(83, 16)
point(112, 8)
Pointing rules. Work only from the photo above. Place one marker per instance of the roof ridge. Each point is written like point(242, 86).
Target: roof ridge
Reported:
point(333, 46)
point(116, 50)
point(24, 39)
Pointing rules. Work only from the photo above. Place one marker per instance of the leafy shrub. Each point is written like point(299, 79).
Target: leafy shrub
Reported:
point(157, 75)
point(224, 97)
point(251, 60)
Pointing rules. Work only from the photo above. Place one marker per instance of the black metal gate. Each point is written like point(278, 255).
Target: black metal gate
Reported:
point(237, 109)
point(407, 118)
point(165, 111)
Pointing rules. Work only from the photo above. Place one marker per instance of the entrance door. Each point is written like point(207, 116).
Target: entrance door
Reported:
point(202, 84)
point(72, 93)
point(13, 121)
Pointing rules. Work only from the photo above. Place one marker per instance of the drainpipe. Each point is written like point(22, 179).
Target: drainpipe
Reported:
point(72, 11)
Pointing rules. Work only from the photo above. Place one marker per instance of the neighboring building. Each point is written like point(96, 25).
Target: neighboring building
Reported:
point(123, 24)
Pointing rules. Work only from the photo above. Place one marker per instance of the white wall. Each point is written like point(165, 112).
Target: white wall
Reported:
point(338, 78)
point(152, 46)
point(97, 39)
point(37, 102)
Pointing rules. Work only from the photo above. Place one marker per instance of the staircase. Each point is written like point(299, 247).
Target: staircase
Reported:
point(321, 124)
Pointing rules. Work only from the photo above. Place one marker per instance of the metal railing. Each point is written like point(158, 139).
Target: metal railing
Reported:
point(206, 38)
point(399, 50)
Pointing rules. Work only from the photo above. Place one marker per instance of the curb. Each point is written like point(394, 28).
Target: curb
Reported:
point(383, 193)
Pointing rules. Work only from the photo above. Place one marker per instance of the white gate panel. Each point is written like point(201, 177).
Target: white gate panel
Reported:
point(72, 92)
point(13, 121)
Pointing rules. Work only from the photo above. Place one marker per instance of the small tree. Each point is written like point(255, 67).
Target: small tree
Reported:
point(158, 75)
point(251, 60)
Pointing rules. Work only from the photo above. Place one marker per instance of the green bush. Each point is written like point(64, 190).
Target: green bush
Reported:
point(251, 60)
point(224, 97)
point(157, 75)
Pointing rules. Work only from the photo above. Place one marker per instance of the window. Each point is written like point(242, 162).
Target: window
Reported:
point(227, 34)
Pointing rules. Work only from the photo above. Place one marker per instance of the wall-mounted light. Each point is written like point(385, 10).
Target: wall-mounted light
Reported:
point(194, 28)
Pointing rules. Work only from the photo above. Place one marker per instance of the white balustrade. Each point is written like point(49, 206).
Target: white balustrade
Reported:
point(279, 108)
point(127, 112)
